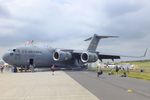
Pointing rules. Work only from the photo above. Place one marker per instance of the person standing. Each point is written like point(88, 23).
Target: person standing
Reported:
point(2, 68)
point(99, 71)
point(31, 67)
point(117, 69)
point(53, 69)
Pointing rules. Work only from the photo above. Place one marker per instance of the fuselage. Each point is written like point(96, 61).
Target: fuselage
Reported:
point(24, 56)
point(32, 55)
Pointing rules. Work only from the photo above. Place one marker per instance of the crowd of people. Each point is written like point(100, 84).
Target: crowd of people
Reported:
point(117, 70)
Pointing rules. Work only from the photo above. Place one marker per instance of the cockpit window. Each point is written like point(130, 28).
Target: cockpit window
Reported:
point(14, 50)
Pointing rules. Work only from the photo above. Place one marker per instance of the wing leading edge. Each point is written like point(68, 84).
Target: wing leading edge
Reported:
point(103, 56)
point(77, 55)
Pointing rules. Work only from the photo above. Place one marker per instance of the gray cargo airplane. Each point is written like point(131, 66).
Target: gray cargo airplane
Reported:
point(40, 57)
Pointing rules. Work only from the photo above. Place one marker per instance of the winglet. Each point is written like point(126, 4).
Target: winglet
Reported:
point(145, 52)
point(138, 56)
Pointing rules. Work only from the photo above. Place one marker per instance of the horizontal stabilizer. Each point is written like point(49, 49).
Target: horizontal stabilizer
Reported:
point(101, 37)
point(88, 39)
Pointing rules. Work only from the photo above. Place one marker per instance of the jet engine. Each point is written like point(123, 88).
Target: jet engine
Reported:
point(88, 57)
point(62, 56)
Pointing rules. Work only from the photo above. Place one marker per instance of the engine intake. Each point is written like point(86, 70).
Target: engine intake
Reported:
point(62, 56)
point(89, 57)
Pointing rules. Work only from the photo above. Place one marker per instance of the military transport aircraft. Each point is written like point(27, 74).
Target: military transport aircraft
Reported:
point(40, 57)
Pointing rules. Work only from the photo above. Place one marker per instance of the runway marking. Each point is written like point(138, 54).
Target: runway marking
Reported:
point(129, 90)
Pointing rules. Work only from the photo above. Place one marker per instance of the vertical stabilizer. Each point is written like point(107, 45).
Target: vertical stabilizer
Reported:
point(95, 40)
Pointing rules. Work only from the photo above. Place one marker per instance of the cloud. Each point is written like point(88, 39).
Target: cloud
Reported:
point(3, 12)
point(71, 21)
point(116, 8)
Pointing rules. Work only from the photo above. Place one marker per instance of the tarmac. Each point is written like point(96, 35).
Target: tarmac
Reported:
point(113, 87)
point(42, 86)
point(71, 85)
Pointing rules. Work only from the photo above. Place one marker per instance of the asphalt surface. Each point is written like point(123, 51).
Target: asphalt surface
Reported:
point(42, 86)
point(112, 87)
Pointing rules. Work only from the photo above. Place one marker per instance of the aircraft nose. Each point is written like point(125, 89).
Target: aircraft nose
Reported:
point(5, 57)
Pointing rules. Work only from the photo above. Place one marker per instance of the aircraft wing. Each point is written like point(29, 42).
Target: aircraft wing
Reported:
point(65, 55)
point(77, 54)
point(104, 56)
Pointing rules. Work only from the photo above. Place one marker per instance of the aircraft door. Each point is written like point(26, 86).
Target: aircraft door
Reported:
point(31, 61)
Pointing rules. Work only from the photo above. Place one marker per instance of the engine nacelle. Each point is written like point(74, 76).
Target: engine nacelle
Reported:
point(62, 56)
point(89, 57)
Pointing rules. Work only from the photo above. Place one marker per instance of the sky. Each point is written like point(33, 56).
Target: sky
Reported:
point(66, 23)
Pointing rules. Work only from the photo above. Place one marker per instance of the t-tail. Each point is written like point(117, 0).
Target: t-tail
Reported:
point(95, 40)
